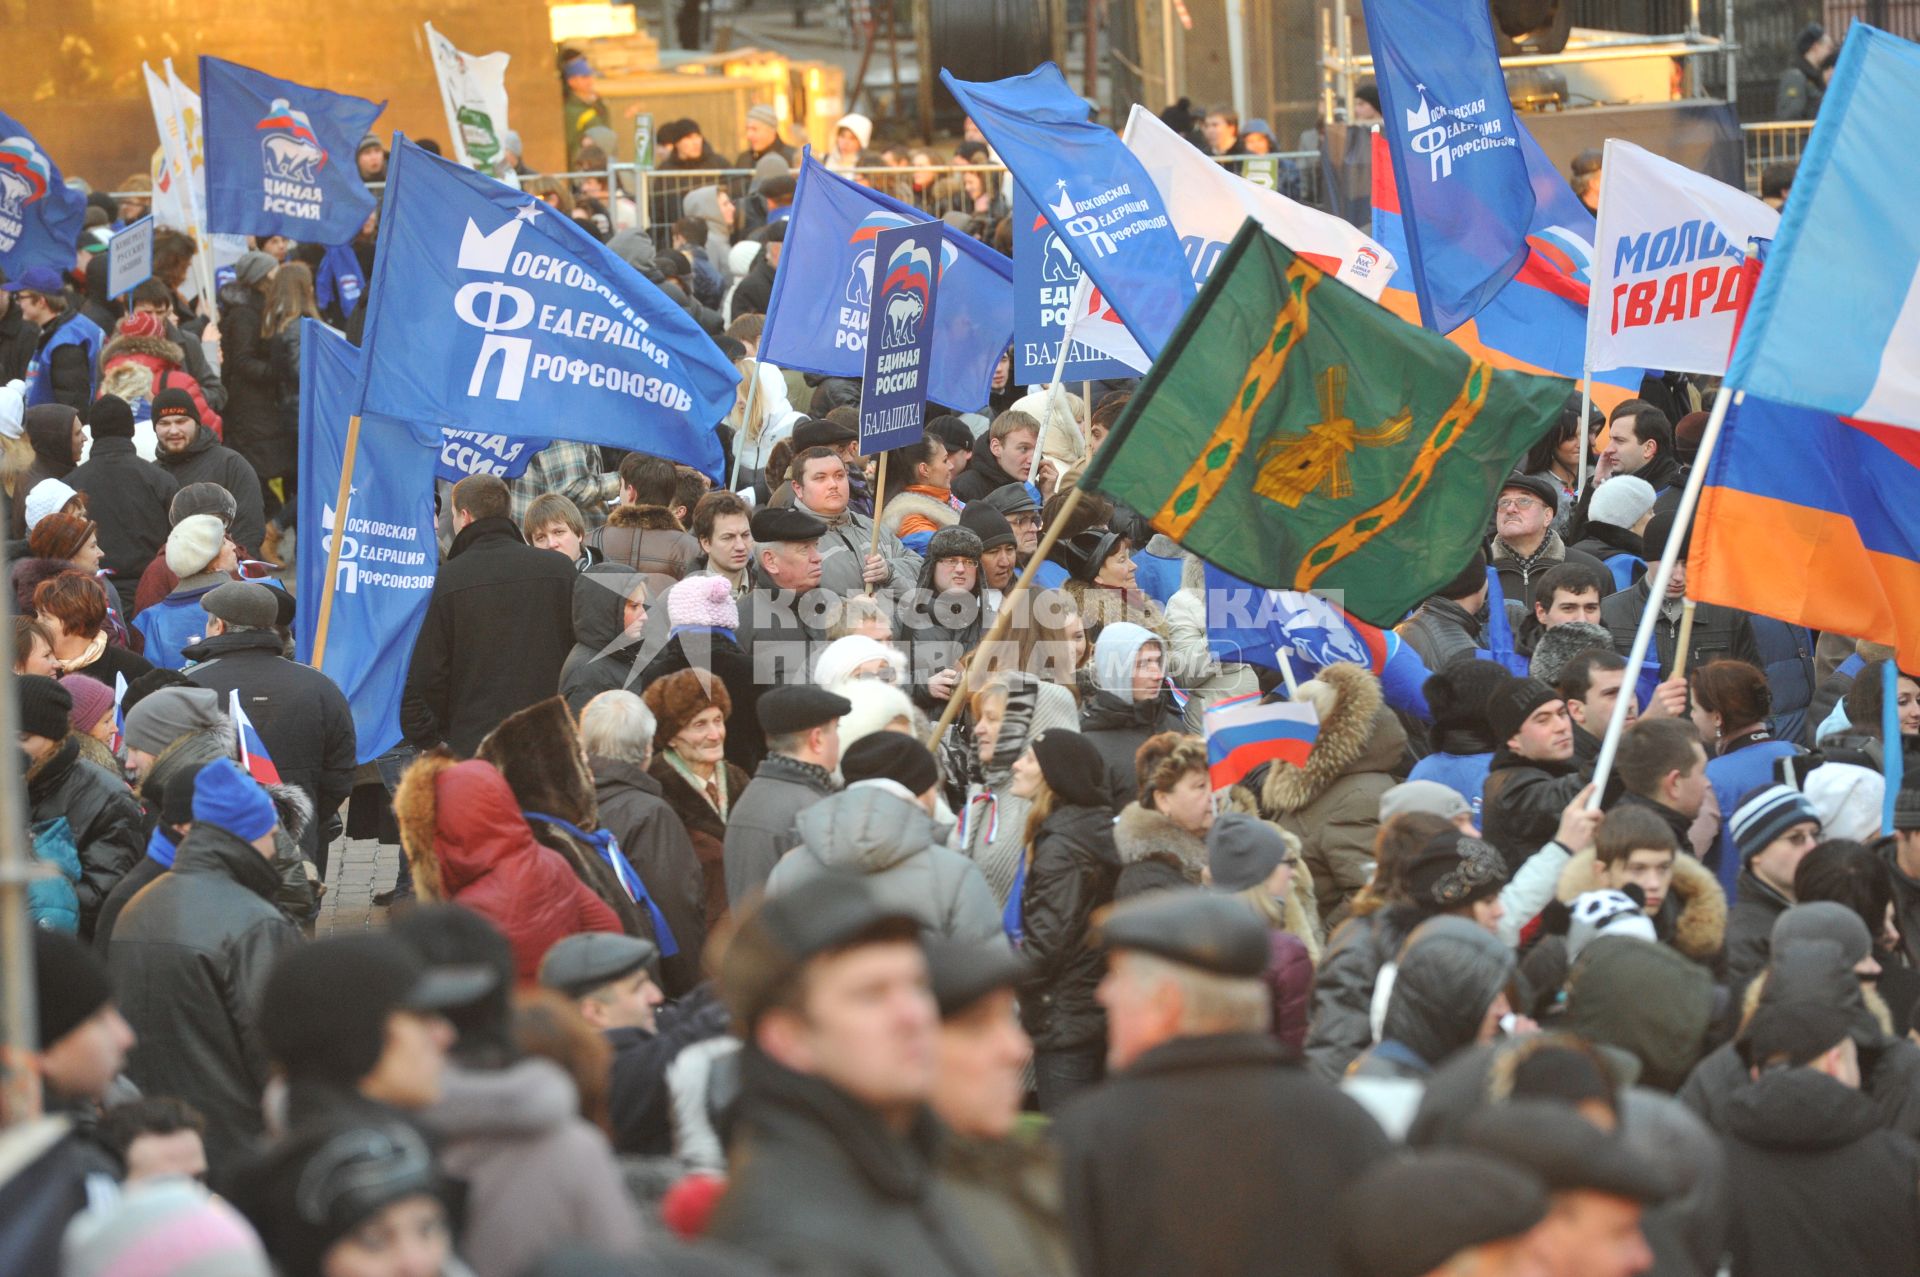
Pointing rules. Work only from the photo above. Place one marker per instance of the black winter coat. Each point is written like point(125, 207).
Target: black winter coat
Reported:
point(252, 413)
point(283, 352)
point(127, 495)
point(103, 815)
point(1342, 1028)
point(1521, 803)
point(190, 957)
point(656, 844)
point(1161, 1163)
point(984, 474)
point(755, 290)
point(18, 340)
point(207, 460)
point(1756, 907)
point(1073, 871)
point(302, 717)
point(498, 627)
point(637, 1095)
point(822, 1188)
point(1819, 1186)
point(1118, 728)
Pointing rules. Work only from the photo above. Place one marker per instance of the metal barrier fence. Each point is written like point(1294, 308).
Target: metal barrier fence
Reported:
point(1775, 142)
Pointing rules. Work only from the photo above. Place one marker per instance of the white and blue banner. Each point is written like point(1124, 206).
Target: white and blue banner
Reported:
point(900, 328)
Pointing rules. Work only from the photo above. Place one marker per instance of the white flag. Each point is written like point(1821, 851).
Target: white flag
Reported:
point(1207, 203)
point(1666, 263)
point(176, 116)
point(474, 92)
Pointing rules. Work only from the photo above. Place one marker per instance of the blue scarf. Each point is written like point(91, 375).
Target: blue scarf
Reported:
point(1012, 919)
point(602, 841)
point(160, 847)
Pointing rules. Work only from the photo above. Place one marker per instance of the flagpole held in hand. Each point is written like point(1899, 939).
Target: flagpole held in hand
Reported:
point(1685, 638)
point(1003, 619)
point(1643, 637)
point(1586, 406)
point(333, 546)
point(879, 497)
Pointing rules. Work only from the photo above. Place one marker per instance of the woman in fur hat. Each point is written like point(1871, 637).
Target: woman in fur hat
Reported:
point(691, 708)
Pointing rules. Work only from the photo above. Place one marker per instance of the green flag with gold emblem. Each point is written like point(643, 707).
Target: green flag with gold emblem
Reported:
point(1297, 435)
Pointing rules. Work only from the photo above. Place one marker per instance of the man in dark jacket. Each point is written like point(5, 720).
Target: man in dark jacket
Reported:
point(611, 980)
point(1194, 1106)
point(55, 434)
point(101, 812)
point(1664, 769)
point(1525, 546)
point(302, 717)
point(1719, 633)
point(189, 452)
point(617, 730)
point(126, 494)
point(465, 677)
point(1001, 456)
point(1773, 830)
point(190, 956)
point(1446, 627)
point(18, 338)
point(62, 368)
point(802, 724)
point(834, 1145)
point(1130, 702)
point(1533, 775)
point(1819, 1184)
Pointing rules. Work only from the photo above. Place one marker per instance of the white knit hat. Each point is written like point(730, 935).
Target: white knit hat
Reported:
point(47, 497)
point(1620, 501)
point(194, 544)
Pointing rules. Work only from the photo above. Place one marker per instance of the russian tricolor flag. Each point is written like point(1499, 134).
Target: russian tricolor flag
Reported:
point(1244, 733)
point(253, 750)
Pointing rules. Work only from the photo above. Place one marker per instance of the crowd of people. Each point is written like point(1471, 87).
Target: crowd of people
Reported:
point(699, 960)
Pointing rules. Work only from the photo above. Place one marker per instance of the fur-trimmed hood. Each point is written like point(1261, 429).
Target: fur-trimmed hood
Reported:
point(1142, 834)
point(416, 812)
point(145, 349)
point(538, 750)
point(1699, 918)
point(1358, 733)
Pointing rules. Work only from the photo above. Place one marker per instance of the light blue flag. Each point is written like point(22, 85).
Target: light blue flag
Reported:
point(1094, 192)
point(1835, 321)
point(491, 310)
point(817, 316)
point(389, 553)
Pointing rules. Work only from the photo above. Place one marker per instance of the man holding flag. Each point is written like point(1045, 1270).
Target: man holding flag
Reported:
point(299, 719)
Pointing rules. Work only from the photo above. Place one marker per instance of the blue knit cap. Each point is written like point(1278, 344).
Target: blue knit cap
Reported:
point(227, 798)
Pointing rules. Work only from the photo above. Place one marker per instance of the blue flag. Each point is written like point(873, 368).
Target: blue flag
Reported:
point(465, 452)
point(488, 308)
point(817, 317)
point(40, 216)
point(1450, 128)
point(900, 326)
point(389, 555)
point(280, 156)
point(1093, 191)
point(1044, 277)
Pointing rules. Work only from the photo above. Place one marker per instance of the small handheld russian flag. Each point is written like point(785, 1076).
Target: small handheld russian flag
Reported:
point(253, 751)
point(1243, 733)
point(119, 713)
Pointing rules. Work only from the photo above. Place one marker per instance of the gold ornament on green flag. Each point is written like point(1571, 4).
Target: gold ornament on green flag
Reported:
point(1297, 435)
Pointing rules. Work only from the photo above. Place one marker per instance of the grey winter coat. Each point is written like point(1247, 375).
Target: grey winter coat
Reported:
point(763, 824)
point(874, 828)
point(537, 1174)
point(656, 843)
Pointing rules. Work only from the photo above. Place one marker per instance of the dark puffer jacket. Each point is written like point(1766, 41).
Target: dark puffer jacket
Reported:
point(1117, 729)
point(467, 842)
point(1522, 801)
point(1450, 972)
point(1341, 1028)
point(1644, 999)
point(128, 496)
point(1072, 874)
point(103, 815)
point(190, 957)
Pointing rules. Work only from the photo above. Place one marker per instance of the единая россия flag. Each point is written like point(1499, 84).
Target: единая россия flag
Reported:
point(1300, 436)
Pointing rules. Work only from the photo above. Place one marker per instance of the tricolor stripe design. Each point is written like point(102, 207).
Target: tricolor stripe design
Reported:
point(1243, 733)
point(253, 751)
point(1538, 322)
point(1835, 322)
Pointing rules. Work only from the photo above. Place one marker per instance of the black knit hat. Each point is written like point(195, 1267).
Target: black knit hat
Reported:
point(44, 706)
point(988, 524)
point(1073, 768)
point(70, 984)
point(1510, 703)
point(174, 399)
point(1658, 532)
point(175, 797)
point(110, 418)
point(1458, 694)
point(893, 756)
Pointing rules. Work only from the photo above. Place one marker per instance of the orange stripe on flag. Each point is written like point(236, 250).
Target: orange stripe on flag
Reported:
point(1802, 565)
